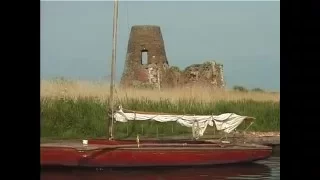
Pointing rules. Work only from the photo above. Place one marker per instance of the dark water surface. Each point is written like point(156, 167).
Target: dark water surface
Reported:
point(266, 169)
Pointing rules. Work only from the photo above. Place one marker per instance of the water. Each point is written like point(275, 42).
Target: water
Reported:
point(266, 169)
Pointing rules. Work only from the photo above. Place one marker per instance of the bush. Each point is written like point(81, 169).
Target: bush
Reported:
point(240, 88)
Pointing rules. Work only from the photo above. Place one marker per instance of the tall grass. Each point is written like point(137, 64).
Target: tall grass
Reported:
point(73, 109)
point(100, 90)
point(86, 117)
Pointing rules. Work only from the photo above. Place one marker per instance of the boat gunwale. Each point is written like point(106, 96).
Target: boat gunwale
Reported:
point(152, 146)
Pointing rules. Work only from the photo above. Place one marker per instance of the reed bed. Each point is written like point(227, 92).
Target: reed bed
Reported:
point(100, 90)
point(78, 109)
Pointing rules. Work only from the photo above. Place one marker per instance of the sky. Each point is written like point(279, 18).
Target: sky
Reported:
point(244, 36)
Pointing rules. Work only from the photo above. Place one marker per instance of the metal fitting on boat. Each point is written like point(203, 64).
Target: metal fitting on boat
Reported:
point(138, 141)
point(85, 142)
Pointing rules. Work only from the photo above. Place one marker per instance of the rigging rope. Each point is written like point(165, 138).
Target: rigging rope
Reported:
point(126, 48)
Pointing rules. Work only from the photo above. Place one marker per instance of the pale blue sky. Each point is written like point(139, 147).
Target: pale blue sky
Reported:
point(76, 37)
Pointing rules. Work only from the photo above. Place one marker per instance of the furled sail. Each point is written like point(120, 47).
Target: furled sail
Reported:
point(226, 122)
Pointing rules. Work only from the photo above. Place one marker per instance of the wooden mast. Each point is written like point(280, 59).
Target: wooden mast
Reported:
point(113, 65)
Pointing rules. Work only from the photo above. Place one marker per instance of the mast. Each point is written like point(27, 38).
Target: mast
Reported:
point(113, 64)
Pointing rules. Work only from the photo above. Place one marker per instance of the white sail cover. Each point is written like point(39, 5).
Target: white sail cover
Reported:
point(226, 122)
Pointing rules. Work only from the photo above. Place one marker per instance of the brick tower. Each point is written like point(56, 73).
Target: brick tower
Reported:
point(146, 58)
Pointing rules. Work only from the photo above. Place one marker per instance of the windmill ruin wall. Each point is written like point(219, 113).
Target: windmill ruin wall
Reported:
point(155, 71)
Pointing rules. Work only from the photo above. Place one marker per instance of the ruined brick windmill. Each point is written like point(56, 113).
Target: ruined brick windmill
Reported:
point(146, 64)
point(146, 58)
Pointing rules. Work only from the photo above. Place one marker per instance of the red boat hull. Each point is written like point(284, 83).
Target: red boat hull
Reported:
point(127, 154)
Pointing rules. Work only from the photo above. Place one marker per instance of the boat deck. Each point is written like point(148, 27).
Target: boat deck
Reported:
point(148, 145)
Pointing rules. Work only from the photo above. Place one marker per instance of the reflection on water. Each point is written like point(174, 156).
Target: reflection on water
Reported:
point(266, 169)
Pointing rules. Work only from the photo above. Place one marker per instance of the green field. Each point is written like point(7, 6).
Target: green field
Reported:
point(66, 118)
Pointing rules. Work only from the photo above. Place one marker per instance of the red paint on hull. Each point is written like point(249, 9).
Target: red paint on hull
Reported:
point(174, 158)
point(65, 156)
point(127, 154)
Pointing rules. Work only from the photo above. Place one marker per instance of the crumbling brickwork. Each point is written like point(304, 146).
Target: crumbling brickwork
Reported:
point(156, 72)
point(209, 74)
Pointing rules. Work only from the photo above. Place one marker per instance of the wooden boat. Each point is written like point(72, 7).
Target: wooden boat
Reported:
point(130, 153)
point(115, 153)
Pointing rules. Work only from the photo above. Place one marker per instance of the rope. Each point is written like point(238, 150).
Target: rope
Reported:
point(248, 127)
point(116, 97)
